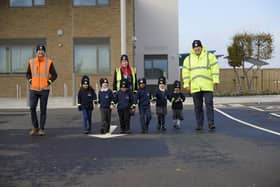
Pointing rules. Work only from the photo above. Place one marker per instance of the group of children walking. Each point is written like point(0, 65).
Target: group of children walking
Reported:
point(126, 102)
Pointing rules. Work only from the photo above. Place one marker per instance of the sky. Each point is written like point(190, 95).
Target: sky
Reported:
point(215, 22)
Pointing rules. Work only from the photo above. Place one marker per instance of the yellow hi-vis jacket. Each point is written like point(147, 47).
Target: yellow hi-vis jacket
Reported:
point(201, 72)
point(119, 77)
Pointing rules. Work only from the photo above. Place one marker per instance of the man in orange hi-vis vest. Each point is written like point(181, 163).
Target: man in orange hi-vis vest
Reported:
point(40, 75)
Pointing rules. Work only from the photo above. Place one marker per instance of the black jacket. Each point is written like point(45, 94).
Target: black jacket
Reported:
point(177, 100)
point(86, 98)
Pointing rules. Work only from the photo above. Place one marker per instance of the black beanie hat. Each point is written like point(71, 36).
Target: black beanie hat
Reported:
point(177, 84)
point(142, 81)
point(40, 47)
point(124, 57)
point(124, 83)
point(196, 43)
point(161, 80)
point(85, 80)
point(103, 80)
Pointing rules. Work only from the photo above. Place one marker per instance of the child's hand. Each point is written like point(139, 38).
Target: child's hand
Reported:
point(79, 107)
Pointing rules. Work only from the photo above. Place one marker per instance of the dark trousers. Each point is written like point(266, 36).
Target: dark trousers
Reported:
point(177, 114)
point(124, 117)
point(87, 119)
point(106, 118)
point(145, 117)
point(198, 107)
point(33, 98)
point(161, 112)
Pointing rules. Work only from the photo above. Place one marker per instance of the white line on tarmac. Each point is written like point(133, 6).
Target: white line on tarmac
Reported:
point(255, 108)
point(274, 114)
point(246, 123)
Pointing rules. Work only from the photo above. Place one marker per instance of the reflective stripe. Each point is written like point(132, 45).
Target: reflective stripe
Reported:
point(213, 64)
point(119, 77)
point(202, 76)
point(40, 75)
point(215, 74)
point(208, 62)
point(184, 67)
point(185, 78)
point(40, 78)
point(199, 67)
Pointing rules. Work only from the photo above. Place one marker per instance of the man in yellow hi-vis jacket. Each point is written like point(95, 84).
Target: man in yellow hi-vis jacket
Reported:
point(201, 75)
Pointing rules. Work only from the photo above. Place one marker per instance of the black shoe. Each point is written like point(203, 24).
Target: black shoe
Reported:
point(198, 128)
point(86, 132)
point(102, 131)
point(163, 128)
point(211, 126)
point(158, 127)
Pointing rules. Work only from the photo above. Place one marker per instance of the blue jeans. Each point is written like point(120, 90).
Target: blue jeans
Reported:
point(87, 119)
point(198, 107)
point(145, 117)
point(33, 98)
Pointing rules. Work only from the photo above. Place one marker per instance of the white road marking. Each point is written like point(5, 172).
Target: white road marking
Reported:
point(220, 106)
point(255, 108)
point(274, 114)
point(236, 105)
point(246, 123)
point(108, 135)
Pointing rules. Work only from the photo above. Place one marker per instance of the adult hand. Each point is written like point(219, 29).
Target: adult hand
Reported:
point(215, 86)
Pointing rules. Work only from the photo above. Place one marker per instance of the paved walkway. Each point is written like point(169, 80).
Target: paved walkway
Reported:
point(67, 102)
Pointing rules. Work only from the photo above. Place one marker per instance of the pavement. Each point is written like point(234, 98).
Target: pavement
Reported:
point(67, 102)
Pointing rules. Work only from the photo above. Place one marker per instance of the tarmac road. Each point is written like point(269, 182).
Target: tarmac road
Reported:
point(234, 154)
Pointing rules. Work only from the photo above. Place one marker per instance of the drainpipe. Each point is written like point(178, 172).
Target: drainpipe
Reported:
point(123, 26)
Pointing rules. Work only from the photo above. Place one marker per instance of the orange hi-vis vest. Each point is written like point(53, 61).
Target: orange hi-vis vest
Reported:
point(40, 73)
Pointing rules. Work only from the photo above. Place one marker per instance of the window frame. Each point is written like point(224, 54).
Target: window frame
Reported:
point(33, 4)
point(98, 43)
point(97, 4)
point(153, 57)
point(10, 43)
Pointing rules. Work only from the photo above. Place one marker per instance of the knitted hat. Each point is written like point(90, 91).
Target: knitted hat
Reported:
point(103, 80)
point(142, 81)
point(124, 83)
point(196, 43)
point(124, 57)
point(177, 84)
point(85, 80)
point(40, 47)
point(161, 80)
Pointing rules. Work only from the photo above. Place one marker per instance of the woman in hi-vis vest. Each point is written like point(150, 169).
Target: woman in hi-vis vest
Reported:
point(125, 72)
point(40, 75)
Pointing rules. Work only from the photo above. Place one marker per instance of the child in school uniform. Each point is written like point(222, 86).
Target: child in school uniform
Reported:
point(106, 101)
point(143, 98)
point(86, 98)
point(161, 97)
point(125, 104)
point(177, 98)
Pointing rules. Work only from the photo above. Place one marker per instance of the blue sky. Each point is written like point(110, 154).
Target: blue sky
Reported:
point(215, 22)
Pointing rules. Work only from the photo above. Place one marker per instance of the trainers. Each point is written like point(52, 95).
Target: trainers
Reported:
point(41, 132)
point(198, 128)
point(33, 132)
point(211, 126)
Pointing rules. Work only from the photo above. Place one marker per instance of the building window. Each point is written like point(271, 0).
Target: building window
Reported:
point(155, 66)
point(15, 54)
point(90, 2)
point(27, 3)
point(92, 56)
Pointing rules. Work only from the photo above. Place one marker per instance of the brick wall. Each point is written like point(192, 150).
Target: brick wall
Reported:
point(76, 22)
